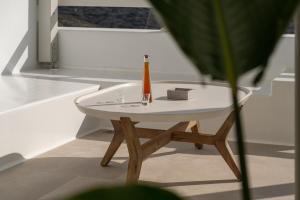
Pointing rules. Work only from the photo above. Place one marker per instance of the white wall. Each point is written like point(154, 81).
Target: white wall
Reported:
point(267, 119)
point(118, 50)
point(17, 35)
point(282, 60)
point(122, 50)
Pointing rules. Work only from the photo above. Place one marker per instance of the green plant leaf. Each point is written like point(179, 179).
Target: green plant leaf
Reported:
point(227, 38)
point(128, 192)
point(253, 27)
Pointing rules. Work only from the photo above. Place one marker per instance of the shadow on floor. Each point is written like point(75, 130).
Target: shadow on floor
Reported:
point(190, 183)
point(268, 150)
point(270, 191)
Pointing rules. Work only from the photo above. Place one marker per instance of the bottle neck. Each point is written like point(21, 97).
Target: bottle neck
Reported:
point(146, 60)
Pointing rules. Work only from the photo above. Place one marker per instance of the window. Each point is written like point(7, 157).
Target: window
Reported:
point(107, 17)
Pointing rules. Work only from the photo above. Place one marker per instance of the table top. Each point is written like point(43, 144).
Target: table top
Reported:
point(205, 101)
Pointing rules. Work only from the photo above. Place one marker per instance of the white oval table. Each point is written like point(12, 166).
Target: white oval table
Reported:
point(122, 105)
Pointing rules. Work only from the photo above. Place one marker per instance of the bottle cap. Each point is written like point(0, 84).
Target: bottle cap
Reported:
point(146, 58)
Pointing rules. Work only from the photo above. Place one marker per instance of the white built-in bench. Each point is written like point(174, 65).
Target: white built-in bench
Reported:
point(37, 115)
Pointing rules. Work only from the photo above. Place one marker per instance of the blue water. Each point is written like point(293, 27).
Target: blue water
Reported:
point(107, 17)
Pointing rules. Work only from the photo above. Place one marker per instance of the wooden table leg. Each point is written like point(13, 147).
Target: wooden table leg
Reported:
point(134, 150)
point(117, 140)
point(158, 138)
point(223, 147)
point(225, 151)
point(196, 129)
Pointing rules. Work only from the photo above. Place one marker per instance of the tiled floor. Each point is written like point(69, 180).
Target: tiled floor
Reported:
point(195, 174)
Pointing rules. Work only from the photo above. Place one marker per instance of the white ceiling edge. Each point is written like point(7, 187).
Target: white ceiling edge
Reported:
point(105, 3)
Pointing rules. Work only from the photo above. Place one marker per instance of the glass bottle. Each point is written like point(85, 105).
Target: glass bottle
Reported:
point(147, 95)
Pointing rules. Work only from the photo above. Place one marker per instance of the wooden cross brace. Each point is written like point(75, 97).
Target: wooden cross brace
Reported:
point(125, 130)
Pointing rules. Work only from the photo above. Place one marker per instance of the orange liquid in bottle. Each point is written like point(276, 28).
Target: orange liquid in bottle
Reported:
point(147, 81)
